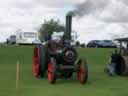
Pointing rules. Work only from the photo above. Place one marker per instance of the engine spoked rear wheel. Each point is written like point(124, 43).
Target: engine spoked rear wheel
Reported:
point(82, 73)
point(52, 71)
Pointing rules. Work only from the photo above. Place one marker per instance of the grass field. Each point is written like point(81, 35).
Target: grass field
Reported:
point(99, 84)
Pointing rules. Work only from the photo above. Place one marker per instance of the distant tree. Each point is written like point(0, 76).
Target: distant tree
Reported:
point(50, 26)
point(82, 45)
point(77, 44)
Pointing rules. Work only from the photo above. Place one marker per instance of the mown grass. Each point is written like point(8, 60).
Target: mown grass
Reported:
point(99, 84)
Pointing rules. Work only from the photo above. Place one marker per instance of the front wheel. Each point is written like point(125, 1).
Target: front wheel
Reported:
point(82, 73)
point(36, 72)
point(52, 71)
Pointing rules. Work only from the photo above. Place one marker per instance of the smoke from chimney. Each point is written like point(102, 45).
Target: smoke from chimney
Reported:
point(88, 7)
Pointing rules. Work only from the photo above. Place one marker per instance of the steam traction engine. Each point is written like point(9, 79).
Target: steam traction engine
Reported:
point(59, 59)
point(119, 59)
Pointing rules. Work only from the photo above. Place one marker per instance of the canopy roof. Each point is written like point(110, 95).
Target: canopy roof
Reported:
point(122, 39)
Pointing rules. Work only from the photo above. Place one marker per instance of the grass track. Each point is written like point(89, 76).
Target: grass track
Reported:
point(99, 84)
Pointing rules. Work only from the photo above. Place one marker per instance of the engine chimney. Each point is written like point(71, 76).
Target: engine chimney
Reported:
point(68, 26)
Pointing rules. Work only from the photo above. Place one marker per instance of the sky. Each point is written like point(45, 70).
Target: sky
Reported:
point(96, 19)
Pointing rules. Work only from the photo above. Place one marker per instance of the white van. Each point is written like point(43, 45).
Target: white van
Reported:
point(57, 35)
point(27, 38)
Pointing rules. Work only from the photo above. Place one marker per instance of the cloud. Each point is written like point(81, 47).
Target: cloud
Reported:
point(60, 3)
point(24, 14)
point(91, 28)
point(116, 11)
point(29, 13)
point(101, 19)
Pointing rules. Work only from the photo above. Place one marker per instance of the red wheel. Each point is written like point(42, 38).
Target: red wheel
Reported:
point(82, 73)
point(52, 71)
point(35, 62)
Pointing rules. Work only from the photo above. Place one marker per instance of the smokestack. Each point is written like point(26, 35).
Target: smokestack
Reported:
point(68, 26)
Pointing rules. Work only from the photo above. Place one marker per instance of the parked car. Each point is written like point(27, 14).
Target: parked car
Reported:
point(109, 44)
point(95, 43)
point(101, 44)
point(11, 39)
